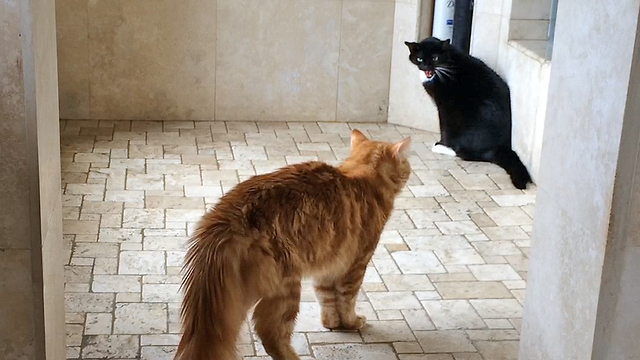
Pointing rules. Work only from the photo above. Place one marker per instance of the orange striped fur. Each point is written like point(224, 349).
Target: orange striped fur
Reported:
point(257, 243)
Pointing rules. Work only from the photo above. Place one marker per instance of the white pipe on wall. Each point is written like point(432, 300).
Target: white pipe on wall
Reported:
point(443, 19)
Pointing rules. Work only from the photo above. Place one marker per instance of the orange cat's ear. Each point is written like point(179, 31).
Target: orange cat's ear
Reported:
point(357, 137)
point(401, 149)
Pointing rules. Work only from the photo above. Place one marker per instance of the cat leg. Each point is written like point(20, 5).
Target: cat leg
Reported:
point(347, 289)
point(274, 319)
point(444, 146)
point(438, 148)
point(325, 289)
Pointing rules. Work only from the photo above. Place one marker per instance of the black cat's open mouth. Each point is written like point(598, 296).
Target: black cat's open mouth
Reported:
point(429, 74)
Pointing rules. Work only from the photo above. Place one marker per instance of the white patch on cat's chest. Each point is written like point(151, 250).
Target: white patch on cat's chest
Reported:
point(444, 150)
point(423, 77)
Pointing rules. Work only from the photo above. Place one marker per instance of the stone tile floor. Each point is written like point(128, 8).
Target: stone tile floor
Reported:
point(446, 283)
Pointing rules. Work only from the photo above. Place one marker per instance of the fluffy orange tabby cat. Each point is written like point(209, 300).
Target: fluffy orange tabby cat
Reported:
point(261, 238)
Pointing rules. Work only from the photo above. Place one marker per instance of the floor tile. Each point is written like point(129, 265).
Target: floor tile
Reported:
point(472, 290)
point(453, 314)
point(354, 352)
point(448, 341)
point(446, 282)
point(394, 300)
point(142, 262)
point(497, 308)
point(386, 331)
point(140, 318)
point(492, 272)
point(417, 262)
point(498, 350)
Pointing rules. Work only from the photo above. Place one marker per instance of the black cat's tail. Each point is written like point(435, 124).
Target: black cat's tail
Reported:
point(509, 160)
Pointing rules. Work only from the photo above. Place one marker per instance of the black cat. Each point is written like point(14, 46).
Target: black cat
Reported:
point(473, 104)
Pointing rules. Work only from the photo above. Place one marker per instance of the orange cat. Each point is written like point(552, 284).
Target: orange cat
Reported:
point(258, 242)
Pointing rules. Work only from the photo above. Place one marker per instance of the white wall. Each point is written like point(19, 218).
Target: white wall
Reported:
point(528, 78)
point(409, 104)
point(583, 286)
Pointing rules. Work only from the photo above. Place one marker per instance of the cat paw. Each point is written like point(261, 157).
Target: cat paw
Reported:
point(520, 183)
point(438, 148)
point(330, 321)
point(358, 323)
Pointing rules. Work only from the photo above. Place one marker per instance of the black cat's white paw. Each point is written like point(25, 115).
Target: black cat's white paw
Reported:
point(444, 150)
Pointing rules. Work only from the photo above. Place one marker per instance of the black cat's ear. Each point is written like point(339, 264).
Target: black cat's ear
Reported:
point(411, 45)
point(445, 43)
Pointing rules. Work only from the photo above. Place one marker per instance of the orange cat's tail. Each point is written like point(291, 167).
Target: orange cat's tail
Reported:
point(213, 307)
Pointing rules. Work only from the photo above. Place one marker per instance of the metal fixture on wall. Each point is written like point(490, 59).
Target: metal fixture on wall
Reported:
point(425, 20)
point(462, 25)
point(552, 27)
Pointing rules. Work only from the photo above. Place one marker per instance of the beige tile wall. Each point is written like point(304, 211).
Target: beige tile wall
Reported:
point(529, 19)
point(301, 60)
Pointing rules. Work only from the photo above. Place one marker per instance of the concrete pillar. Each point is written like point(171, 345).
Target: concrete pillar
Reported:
point(31, 272)
point(583, 288)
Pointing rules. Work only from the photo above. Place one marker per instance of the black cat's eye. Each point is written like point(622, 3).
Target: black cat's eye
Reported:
point(419, 59)
point(435, 57)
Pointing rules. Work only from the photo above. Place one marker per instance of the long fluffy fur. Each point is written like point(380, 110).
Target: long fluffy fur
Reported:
point(308, 219)
point(209, 315)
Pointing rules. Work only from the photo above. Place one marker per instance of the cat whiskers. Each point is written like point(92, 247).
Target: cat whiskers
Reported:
point(444, 73)
point(446, 69)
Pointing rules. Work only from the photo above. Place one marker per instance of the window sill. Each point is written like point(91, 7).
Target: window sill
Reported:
point(535, 49)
